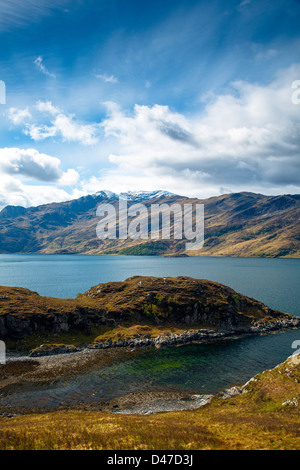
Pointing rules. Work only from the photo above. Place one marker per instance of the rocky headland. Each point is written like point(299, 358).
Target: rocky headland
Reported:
point(140, 311)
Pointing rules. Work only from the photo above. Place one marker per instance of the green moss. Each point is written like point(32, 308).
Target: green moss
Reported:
point(159, 298)
point(236, 298)
point(151, 310)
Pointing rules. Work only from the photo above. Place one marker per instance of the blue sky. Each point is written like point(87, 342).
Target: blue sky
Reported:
point(194, 97)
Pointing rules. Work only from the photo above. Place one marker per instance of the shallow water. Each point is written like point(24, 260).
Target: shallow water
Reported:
point(196, 368)
point(206, 368)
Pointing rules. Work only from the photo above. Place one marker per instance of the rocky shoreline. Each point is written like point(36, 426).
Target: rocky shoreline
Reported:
point(191, 336)
point(171, 339)
point(61, 362)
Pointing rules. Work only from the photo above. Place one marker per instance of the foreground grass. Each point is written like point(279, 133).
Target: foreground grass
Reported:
point(266, 416)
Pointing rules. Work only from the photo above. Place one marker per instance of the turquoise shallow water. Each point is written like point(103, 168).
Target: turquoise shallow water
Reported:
point(206, 368)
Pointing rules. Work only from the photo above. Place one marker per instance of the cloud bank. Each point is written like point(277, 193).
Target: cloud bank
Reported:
point(28, 177)
point(60, 125)
point(245, 139)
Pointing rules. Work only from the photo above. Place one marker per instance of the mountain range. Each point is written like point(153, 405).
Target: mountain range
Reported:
point(236, 224)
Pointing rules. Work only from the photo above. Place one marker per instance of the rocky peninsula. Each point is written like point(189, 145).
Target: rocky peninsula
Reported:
point(140, 311)
point(49, 339)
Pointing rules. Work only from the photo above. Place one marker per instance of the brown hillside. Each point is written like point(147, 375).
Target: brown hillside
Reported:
point(242, 224)
point(150, 300)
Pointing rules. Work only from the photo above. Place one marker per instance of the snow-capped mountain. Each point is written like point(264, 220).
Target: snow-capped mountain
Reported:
point(144, 195)
point(134, 195)
point(242, 224)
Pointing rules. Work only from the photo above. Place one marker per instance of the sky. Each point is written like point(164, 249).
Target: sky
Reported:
point(199, 98)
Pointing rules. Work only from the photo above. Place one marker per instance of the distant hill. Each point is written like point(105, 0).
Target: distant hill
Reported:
point(240, 224)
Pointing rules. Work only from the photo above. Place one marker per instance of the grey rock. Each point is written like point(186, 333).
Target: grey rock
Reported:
point(198, 336)
point(46, 351)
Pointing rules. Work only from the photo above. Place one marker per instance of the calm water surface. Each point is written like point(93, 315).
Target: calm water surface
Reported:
point(207, 368)
point(273, 281)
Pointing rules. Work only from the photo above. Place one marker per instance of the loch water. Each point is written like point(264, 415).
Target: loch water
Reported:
point(196, 368)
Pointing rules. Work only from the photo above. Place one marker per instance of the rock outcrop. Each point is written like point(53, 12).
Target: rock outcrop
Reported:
point(23, 313)
point(196, 336)
point(211, 309)
point(181, 300)
point(53, 349)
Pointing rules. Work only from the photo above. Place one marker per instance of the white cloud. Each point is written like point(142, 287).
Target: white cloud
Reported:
point(29, 178)
point(67, 128)
point(47, 107)
point(18, 116)
point(30, 164)
point(15, 192)
point(73, 131)
point(42, 68)
point(69, 178)
point(246, 140)
point(107, 78)
point(60, 125)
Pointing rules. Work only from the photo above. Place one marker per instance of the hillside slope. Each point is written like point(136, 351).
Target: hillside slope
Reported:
point(242, 224)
